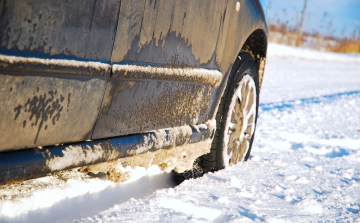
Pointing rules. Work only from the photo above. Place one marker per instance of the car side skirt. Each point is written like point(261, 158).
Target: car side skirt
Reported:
point(26, 164)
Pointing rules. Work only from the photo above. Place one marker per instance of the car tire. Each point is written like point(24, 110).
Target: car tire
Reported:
point(239, 104)
point(242, 87)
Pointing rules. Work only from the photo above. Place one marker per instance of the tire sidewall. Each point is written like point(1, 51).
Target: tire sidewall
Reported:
point(244, 66)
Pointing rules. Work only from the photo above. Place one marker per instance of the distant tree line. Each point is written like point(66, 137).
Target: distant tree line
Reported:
point(281, 32)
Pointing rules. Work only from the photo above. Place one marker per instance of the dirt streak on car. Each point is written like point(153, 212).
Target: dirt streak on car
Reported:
point(108, 76)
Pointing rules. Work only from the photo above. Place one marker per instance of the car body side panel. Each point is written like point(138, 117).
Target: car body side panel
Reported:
point(41, 110)
point(201, 33)
point(188, 34)
point(173, 33)
point(59, 29)
point(54, 67)
point(143, 105)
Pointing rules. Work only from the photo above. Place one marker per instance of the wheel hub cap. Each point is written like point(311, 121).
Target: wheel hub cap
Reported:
point(240, 124)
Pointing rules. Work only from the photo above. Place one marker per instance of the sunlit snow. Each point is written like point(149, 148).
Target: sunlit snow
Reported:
point(305, 163)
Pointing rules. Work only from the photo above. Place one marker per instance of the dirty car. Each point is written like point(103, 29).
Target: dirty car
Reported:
point(101, 84)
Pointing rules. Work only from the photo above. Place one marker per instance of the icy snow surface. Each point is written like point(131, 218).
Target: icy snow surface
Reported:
point(305, 163)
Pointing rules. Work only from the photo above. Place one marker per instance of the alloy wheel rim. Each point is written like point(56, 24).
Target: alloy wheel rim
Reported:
point(240, 123)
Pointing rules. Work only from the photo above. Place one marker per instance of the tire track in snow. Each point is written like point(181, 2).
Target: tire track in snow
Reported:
point(325, 126)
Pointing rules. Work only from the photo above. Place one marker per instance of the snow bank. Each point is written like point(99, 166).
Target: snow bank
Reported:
point(278, 50)
point(43, 193)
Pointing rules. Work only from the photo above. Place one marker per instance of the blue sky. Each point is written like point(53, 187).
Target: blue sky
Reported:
point(329, 17)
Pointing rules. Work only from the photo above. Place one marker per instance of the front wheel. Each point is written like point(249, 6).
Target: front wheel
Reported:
point(235, 120)
point(236, 117)
point(240, 122)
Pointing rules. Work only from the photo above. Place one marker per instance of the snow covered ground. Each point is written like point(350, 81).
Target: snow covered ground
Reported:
point(305, 163)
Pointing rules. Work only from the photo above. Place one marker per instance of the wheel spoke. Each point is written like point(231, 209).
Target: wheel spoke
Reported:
point(249, 131)
point(243, 96)
point(250, 101)
point(235, 152)
point(232, 137)
point(232, 126)
point(241, 123)
point(244, 147)
point(233, 115)
point(251, 119)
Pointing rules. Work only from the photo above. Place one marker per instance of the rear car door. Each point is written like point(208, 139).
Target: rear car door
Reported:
point(54, 66)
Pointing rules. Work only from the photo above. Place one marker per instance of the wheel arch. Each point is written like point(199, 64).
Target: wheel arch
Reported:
point(256, 45)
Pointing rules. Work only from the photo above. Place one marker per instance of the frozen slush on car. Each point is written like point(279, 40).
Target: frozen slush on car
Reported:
point(107, 84)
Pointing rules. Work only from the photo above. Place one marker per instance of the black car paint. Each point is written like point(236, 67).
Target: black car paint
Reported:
point(46, 103)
